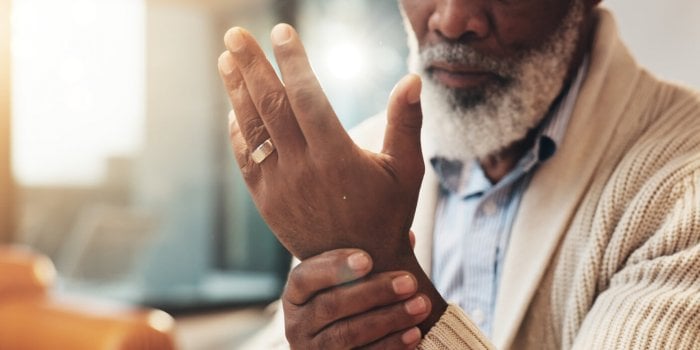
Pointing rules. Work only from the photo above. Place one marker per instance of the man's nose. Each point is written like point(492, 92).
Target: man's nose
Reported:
point(460, 19)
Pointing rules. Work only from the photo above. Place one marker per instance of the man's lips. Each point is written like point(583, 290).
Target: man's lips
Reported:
point(458, 77)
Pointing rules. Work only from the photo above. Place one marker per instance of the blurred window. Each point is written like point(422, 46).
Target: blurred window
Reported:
point(120, 142)
point(78, 87)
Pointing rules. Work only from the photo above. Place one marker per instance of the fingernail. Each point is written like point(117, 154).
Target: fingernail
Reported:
point(413, 94)
point(234, 39)
point(281, 34)
point(403, 285)
point(416, 306)
point(225, 64)
point(358, 261)
point(412, 336)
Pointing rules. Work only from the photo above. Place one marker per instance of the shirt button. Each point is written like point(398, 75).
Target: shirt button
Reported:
point(490, 208)
point(478, 316)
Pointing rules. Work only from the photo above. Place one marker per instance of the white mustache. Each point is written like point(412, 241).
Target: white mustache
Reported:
point(465, 55)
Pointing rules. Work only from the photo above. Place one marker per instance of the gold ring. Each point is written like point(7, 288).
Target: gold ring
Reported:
point(263, 151)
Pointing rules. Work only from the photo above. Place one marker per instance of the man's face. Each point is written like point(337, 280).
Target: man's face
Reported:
point(495, 28)
point(491, 68)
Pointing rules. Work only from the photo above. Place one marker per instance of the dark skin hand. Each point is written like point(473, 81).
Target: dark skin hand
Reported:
point(317, 173)
point(326, 304)
point(324, 311)
point(319, 191)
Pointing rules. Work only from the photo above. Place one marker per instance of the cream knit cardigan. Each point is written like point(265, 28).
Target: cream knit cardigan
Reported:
point(624, 189)
point(605, 250)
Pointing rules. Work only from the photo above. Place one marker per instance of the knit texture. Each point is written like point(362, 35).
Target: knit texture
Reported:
point(455, 330)
point(627, 273)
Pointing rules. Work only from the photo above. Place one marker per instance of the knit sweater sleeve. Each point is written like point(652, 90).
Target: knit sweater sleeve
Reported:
point(649, 285)
point(455, 330)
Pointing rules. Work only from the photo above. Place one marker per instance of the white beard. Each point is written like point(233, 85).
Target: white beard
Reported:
point(464, 125)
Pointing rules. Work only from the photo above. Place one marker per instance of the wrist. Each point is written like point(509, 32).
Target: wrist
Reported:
point(438, 303)
point(407, 261)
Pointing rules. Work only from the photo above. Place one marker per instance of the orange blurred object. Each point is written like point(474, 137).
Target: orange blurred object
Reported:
point(34, 317)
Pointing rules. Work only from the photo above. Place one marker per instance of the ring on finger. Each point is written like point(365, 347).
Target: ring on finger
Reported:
point(263, 151)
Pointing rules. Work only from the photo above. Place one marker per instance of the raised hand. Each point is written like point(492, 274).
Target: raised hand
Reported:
point(314, 187)
point(318, 190)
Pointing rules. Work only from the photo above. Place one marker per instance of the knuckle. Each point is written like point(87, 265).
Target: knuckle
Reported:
point(305, 96)
point(294, 280)
point(273, 104)
point(249, 62)
point(343, 334)
point(254, 130)
point(327, 307)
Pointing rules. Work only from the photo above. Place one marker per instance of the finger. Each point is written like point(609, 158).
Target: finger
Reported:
point(249, 121)
point(334, 304)
point(404, 119)
point(314, 113)
point(412, 238)
point(374, 325)
point(251, 173)
point(405, 339)
point(265, 91)
point(324, 271)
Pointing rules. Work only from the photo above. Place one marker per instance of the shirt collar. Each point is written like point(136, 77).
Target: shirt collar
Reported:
point(468, 180)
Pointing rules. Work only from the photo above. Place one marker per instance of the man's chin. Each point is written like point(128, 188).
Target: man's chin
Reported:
point(465, 100)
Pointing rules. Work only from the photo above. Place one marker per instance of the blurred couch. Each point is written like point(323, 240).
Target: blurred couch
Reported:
point(35, 317)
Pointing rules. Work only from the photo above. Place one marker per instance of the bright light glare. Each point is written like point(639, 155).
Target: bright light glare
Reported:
point(346, 61)
point(78, 87)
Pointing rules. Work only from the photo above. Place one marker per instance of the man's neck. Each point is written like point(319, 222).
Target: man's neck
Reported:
point(498, 165)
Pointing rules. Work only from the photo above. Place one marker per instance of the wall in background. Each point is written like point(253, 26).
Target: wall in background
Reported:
point(663, 35)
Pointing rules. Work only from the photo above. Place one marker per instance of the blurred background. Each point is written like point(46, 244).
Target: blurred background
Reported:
point(114, 158)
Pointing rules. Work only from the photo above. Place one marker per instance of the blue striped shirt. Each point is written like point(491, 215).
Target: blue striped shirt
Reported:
point(474, 217)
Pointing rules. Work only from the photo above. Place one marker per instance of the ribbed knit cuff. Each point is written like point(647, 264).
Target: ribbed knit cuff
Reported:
point(455, 330)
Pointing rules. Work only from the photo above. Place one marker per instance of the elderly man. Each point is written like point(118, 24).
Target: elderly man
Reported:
point(560, 207)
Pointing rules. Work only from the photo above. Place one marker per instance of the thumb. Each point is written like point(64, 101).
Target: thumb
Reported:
point(404, 119)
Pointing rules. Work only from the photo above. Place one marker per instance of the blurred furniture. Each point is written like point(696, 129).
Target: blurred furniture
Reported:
point(6, 181)
point(32, 316)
